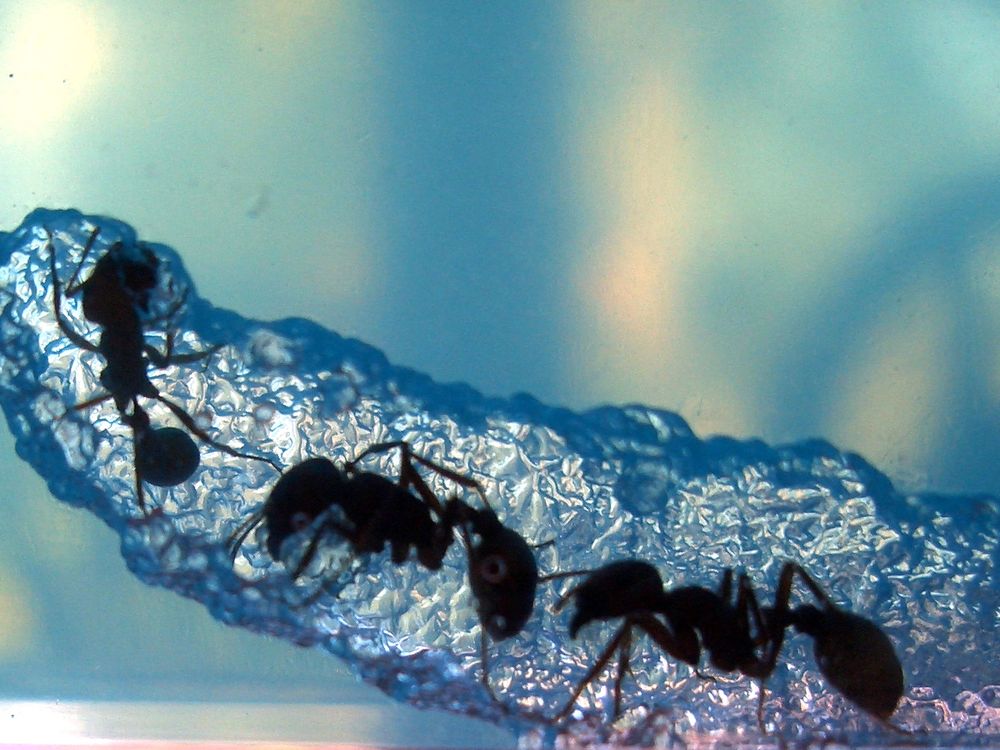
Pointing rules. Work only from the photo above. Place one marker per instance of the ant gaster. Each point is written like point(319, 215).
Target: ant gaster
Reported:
point(852, 652)
point(116, 297)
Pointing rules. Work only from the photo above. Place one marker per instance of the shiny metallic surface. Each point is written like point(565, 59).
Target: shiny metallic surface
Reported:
point(605, 484)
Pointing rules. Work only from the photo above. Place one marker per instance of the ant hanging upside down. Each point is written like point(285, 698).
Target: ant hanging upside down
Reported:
point(852, 652)
point(370, 511)
point(117, 298)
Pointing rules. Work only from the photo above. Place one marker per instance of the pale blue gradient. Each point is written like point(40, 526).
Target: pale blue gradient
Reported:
point(808, 194)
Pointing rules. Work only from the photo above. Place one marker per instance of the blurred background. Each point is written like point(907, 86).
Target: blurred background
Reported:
point(780, 219)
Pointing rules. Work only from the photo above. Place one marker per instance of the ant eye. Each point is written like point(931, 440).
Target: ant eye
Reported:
point(493, 569)
point(300, 521)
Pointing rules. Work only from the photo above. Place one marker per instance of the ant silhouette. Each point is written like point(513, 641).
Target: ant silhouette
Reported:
point(117, 298)
point(373, 511)
point(853, 654)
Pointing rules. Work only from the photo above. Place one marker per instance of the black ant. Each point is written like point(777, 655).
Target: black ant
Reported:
point(852, 652)
point(372, 511)
point(116, 297)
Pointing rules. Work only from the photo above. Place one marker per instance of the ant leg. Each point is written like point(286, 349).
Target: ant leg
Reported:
point(726, 585)
point(768, 635)
point(408, 456)
point(235, 541)
point(71, 287)
point(140, 494)
point(162, 361)
point(564, 599)
point(188, 421)
point(85, 405)
point(623, 667)
point(599, 665)
point(682, 643)
point(564, 574)
point(813, 587)
point(408, 476)
point(484, 658)
point(57, 294)
point(760, 708)
point(778, 617)
point(310, 553)
point(748, 607)
point(168, 315)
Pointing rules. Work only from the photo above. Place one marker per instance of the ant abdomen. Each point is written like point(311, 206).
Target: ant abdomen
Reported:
point(166, 456)
point(855, 656)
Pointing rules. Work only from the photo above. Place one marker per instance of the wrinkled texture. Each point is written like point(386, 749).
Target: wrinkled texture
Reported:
point(606, 484)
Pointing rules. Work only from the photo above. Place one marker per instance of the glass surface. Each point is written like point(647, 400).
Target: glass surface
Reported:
point(777, 220)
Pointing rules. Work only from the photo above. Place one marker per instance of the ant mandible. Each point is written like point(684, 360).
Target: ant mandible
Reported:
point(115, 297)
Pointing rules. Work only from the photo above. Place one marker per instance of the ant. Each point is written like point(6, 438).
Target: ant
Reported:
point(373, 511)
point(117, 298)
point(853, 654)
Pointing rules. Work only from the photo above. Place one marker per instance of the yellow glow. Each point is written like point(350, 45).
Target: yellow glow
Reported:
point(287, 25)
point(889, 398)
point(18, 625)
point(50, 58)
point(642, 173)
point(633, 285)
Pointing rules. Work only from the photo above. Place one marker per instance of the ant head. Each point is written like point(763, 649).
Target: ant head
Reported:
point(616, 590)
point(503, 575)
point(165, 456)
point(124, 278)
point(137, 268)
point(300, 496)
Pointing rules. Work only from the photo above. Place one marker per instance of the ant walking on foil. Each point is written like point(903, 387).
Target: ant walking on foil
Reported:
point(852, 652)
point(117, 297)
point(370, 511)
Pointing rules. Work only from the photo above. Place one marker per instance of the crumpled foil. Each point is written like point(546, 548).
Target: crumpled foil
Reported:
point(606, 484)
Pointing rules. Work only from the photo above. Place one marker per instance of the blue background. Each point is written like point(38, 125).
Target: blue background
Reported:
point(778, 219)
